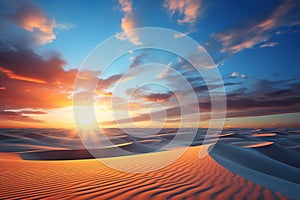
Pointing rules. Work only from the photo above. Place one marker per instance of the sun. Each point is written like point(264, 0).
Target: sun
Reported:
point(86, 122)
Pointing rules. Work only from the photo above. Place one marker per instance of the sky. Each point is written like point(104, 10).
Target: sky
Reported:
point(45, 48)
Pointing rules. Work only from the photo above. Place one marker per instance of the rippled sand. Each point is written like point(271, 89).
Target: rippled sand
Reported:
point(244, 164)
point(189, 177)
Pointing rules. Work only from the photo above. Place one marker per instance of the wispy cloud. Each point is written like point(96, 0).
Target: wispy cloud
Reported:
point(166, 72)
point(269, 44)
point(128, 23)
point(64, 26)
point(188, 9)
point(256, 31)
point(137, 60)
point(180, 35)
point(21, 116)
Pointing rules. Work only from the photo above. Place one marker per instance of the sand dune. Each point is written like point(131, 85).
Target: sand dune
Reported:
point(244, 164)
point(188, 177)
point(267, 158)
point(259, 168)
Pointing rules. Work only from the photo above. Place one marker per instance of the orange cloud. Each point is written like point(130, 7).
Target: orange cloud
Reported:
point(19, 116)
point(30, 81)
point(25, 64)
point(188, 8)
point(105, 94)
point(128, 23)
point(11, 75)
point(34, 82)
point(126, 6)
point(256, 31)
point(20, 94)
point(134, 105)
point(33, 19)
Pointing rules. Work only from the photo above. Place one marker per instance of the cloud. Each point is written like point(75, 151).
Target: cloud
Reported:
point(21, 94)
point(264, 98)
point(128, 23)
point(180, 35)
point(166, 72)
point(108, 82)
point(137, 60)
point(157, 115)
point(24, 23)
point(243, 76)
point(65, 26)
point(248, 103)
point(28, 93)
point(20, 116)
point(256, 30)
point(269, 44)
point(11, 75)
point(33, 19)
point(237, 74)
point(282, 93)
point(26, 18)
point(210, 87)
point(188, 9)
point(31, 81)
point(158, 97)
point(236, 107)
point(25, 64)
point(259, 103)
point(150, 94)
point(234, 74)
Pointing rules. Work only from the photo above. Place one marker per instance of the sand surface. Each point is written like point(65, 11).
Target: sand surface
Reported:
point(188, 177)
point(244, 164)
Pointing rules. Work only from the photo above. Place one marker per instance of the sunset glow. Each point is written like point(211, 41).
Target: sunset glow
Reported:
point(150, 99)
point(41, 59)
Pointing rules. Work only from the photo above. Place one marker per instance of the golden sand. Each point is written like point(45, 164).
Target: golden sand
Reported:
point(188, 177)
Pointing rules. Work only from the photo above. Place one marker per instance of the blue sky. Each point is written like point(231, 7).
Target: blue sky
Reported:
point(255, 45)
point(92, 22)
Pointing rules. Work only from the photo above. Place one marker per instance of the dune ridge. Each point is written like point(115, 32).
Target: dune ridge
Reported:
point(268, 158)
